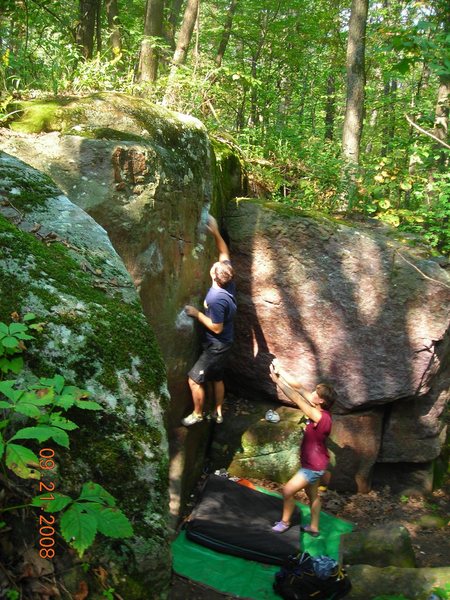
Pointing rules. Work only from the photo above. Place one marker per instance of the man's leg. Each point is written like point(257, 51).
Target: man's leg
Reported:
point(219, 395)
point(198, 396)
point(312, 491)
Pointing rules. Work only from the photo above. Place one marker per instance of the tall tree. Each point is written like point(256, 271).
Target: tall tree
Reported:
point(330, 106)
point(87, 26)
point(183, 41)
point(226, 33)
point(153, 28)
point(112, 15)
point(172, 21)
point(354, 110)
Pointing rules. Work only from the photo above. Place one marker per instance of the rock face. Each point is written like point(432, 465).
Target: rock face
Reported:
point(372, 582)
point(56, 262)
point(353, 306)
point(331, 300)
point(383, 546)
point(146, 175)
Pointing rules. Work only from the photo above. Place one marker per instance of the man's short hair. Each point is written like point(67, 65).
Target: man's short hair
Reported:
point(327, 393)
point(223, 273)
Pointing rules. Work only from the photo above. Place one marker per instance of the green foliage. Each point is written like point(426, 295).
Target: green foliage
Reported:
point(93, 511)
point(280, 90)
point(443, 593)
point(43, 404)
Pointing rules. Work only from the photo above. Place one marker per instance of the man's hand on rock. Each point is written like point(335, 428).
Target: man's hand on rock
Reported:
point(191, 311)
point(275, 366)
point(273, 374)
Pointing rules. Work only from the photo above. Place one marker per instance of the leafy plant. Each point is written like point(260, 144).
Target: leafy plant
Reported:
point(442, 593)
point(93, 511)
point(37, 412)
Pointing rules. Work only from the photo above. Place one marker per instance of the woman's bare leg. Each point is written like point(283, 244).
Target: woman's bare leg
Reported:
point(294, 485)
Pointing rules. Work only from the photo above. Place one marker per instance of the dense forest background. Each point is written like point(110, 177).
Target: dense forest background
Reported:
point(338, 106)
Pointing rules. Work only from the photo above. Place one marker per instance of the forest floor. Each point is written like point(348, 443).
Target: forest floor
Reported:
point(431, 545)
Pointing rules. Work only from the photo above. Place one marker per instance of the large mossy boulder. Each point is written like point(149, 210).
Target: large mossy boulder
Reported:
point(395, 582)
point(56, 262)
point(148, 176)
point(248, 445)
point(382, 546)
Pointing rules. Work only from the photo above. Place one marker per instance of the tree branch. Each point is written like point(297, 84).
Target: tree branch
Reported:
point(411, 122)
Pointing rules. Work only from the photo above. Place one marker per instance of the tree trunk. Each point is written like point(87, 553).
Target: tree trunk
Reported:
point(183, 41)
point(440, 129)
point(153, 27)
point(174, 15)
point(390, 95)
point(112, 15)
point(86, 27)
point(226, 32)
point(330, 107)
point(354, 111)
point(98, 26)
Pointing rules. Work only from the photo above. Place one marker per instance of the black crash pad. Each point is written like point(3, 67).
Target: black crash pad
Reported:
point(237, 520)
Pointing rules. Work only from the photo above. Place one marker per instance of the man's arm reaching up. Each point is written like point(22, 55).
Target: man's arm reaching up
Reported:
point(224, 253)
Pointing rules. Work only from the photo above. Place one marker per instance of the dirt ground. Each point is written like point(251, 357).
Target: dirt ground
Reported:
point(420, 515)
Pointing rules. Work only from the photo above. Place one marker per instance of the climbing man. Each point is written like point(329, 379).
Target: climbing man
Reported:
point(314, 456)
point(217, 320)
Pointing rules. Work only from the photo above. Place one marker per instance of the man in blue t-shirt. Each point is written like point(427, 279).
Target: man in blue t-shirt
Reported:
point(220, 308)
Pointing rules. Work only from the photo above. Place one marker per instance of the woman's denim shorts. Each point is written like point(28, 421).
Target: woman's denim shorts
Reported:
point(311, 476)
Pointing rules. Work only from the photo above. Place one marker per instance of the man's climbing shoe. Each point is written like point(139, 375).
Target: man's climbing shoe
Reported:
point(280, 527)
point(217, 418)
point(307, 529)
point(192, 419)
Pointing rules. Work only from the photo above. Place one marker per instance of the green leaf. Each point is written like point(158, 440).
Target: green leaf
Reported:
point(43, 433)
point(4, 329)
point(24, 336)
point(7, 389)
point(59, 502)
point(19, 459)
point(4, 404)
point(78, 528)
point(10, 342)
point(88, 405)
point(40, 398)
point(76, 392)
point(113, 523)
point(15, 365)
point(17, 327)
point(64, 402)
point(2, 447)
point(58, 421)
point(403, 65)
point(94, 492)
point(56, 382)
point(29, 317)
point(27, 409)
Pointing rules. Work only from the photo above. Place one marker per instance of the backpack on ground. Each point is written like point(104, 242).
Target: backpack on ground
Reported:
point(304, 577)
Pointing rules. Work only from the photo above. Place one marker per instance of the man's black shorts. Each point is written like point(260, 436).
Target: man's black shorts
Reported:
point(211, 363)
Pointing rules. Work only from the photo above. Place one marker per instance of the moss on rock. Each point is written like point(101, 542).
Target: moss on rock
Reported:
point(96, 336)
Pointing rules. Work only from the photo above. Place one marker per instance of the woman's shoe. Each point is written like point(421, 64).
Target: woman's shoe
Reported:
point(281, 527)
point(311, 532)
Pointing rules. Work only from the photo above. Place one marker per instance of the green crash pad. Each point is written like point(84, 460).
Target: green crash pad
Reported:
point(246, 578)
